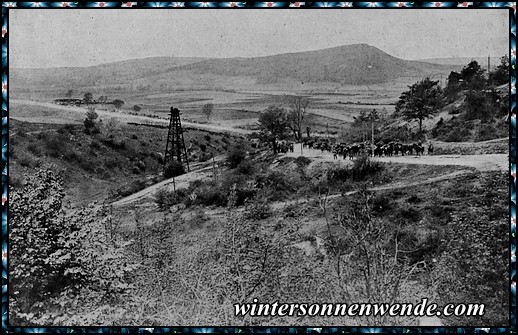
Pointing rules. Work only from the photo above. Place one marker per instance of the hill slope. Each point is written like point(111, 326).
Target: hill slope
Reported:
point(357, 64)
point(122, 72)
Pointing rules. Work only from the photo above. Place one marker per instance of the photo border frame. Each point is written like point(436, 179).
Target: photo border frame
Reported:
point(6, 6)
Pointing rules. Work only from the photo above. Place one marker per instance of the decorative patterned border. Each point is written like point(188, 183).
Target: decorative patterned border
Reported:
point(257, 330)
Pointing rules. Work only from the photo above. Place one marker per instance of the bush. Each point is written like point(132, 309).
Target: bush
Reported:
point(66, 129)
point(203, 158)
point(410, 214)
point(173, 169)
point(35, 149)
point(279, 184)
point(132, 188)
point(71, 156)
point(302, 162)
point(15, 182)
point(452, 131)
point(95, 145)
point(207, 194)
point(87, 165)
point(115, 144)
point(245, 167)
point(339, 174)
point(59, 261)
point(257, 209)
point(381, 203)
point(56, 147)
point(364, 167)
point(165, 199)
point(235, 156)
point(26, 161)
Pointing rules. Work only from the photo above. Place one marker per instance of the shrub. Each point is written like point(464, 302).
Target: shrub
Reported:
point(452, 131)
point(235, 156)
point(203, 158)
point(440, 214)
point(208, 194)
point(364, 167)
point(279, 184)
point(339, 174)
point(56, 147)
point(55, 260)
point(487, 132)
point(15, 182)
point(173, 169)
point(381, 203)
point(12, 151)
point(35, 149)
point(165, 199)
point(36, 232)
point(410, 214)
point(132, 188)
point(203, 147)
point(114, 144)
point(87, 165)
point(66, 129)
point(95, 145)
point(257, 209)
point(26, 161)
point(90, 122)
point(71, 156)
point(302, 162)
point(245, 167)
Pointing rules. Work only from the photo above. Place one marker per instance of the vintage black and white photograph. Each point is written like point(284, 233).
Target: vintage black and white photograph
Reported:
point(256, 167)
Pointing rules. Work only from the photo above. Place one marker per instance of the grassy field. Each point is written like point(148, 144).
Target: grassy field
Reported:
point(330, 112)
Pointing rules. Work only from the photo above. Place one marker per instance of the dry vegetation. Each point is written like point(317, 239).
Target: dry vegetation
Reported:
point(185, 258)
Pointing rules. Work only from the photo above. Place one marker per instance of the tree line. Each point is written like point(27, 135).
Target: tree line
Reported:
point(424, 98)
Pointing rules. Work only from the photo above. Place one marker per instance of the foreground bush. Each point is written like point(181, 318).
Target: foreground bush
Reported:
point(61, 267)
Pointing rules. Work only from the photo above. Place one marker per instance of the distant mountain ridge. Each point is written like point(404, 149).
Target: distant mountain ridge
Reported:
point(463, 61)
point(356, 64)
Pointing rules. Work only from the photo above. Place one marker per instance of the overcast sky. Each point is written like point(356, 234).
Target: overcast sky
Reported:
point(73, 37)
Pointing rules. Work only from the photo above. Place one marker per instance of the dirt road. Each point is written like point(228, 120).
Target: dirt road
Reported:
point(198, 171)
point(78, 114)
point(490, 162)
point(494, 162)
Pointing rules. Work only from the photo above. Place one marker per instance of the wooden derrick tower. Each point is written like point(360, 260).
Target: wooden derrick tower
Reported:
point(175, 149)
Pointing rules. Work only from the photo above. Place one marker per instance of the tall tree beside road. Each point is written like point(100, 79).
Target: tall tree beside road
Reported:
point(273, 123)
point(297, 115)
point(422, 101)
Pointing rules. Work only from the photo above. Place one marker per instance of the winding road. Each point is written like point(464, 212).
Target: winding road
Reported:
point(489, 162)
